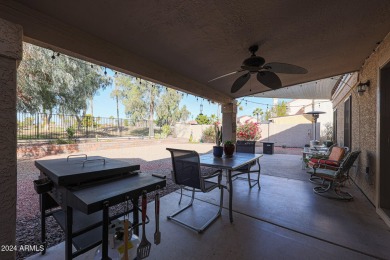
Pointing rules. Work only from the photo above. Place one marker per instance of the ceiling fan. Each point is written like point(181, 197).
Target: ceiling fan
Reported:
point(265, 72)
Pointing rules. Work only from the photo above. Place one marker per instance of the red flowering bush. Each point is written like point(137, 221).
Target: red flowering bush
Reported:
point(249, 131)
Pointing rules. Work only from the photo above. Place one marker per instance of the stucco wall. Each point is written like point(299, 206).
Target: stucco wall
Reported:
point(185, 131)
point(290, 135)
point(293, 119)
point(364, 118)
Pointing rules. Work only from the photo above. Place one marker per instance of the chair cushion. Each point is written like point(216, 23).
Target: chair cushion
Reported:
point(337, 154)
point(314, 161)
point(324, 173)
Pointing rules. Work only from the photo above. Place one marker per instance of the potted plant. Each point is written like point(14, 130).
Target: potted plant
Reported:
point(229, 148)
point(218, 149)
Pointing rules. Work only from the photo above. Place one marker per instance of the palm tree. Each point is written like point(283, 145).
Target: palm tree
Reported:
point(116, 94)
point(258, 111)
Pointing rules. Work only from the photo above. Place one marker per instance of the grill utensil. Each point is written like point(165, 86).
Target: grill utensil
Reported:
point(144, 247)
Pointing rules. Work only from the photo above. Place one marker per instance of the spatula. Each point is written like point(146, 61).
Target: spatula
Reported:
point(144, 247)
point(157, 234)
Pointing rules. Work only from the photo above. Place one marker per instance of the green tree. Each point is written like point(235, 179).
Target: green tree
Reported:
point(117, 94)
point(139, 97)
point(152, 91)
point(258, 112)
point(87, 120)
point(48, 83)
point(280, 109)
point(84, 83)
point(184, 114)
point(202, 119)
point(213, 119)
point(168, 110)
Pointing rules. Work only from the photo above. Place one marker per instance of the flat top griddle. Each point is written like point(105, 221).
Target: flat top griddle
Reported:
point(90, 199)
point(74, 171)
point(89, 185)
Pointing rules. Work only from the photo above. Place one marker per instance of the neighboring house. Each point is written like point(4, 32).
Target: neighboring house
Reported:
point(298, 106)
point(302, 106)
point(242, 119)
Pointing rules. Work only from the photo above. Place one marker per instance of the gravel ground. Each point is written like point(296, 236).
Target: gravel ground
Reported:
point(152, 159)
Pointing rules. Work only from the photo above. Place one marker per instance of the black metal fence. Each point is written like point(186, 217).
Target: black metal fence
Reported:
point(56, 126)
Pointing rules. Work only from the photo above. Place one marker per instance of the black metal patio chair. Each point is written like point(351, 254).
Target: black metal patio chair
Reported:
point(335, 178)
point(188, 174)
point(248, 147)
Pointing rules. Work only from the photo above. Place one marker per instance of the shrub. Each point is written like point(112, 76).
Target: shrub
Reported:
point(87, 120)
point(70, 131)
point(62, 141)
point(208, 135)
point(166, 130)
point(249, 131)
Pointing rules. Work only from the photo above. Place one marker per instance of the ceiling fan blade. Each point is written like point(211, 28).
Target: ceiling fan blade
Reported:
point(237, 85)
point(278, 67)
point(269, 79)
point(231, 73)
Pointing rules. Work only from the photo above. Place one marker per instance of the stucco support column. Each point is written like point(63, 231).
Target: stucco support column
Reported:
point(229, 121)
point(10, 55)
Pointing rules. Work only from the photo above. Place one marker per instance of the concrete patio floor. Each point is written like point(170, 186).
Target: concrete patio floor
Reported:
point(284, 219)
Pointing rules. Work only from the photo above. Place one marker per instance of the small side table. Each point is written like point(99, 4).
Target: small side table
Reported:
point(268, 147)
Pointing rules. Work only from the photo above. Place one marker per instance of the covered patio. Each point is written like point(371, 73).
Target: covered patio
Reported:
point(185, 45)
point(285, 219)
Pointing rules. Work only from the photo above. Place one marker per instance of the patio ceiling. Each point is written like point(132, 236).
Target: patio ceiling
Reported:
point(184, 44)
point(318, 89)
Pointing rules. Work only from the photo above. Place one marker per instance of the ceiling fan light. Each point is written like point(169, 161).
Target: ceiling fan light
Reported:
point(255, 61)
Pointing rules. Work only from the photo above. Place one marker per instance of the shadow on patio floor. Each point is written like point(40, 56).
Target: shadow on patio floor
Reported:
point(284, 219)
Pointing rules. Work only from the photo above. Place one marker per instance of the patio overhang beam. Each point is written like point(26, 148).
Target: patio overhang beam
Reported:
point(44, 31)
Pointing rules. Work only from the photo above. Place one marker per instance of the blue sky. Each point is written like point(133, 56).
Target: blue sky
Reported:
point(105, 106)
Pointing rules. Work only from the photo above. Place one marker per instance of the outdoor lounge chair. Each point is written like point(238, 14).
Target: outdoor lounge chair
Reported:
point(188, 174)
point(248, 147)
point(330, 161)
point(333, 179)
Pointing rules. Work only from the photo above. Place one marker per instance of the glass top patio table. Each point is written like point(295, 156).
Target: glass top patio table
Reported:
point(230, 164)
